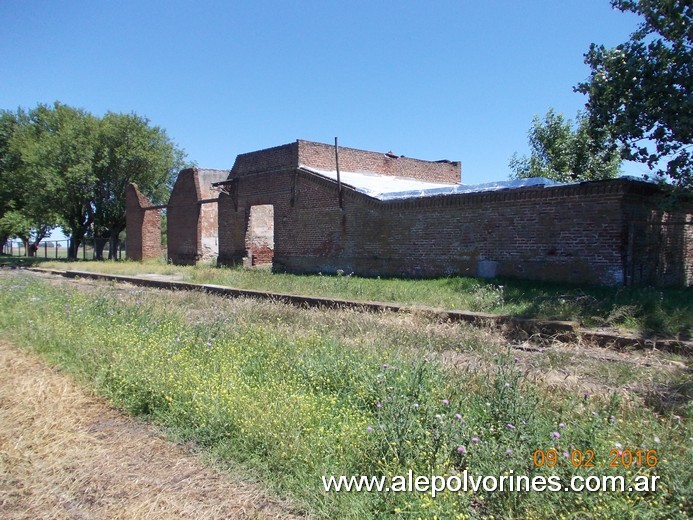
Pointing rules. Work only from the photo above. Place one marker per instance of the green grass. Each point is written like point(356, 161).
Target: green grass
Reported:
point(292, 395)
point(637, 309)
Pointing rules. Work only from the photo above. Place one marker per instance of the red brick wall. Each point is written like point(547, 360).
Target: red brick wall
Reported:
point(259, 238)
point(570, 233)
point(322, 156)
point(143, 226)
point(192, 223)
point(285, 156)
point(274, 188)
point(659, 241)
point(183, 214)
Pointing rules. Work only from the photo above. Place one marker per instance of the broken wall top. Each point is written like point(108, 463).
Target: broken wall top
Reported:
point(195, 184)
point(322, 156)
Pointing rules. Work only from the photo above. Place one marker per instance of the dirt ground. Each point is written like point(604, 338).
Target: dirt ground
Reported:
point(65, 454)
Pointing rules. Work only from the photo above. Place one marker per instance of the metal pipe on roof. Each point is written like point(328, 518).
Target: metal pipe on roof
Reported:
point(339, 181)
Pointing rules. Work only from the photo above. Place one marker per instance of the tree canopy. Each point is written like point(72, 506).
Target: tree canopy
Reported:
point(129, 150)
point(564, 151)
point(640, 92)
point(63, 166)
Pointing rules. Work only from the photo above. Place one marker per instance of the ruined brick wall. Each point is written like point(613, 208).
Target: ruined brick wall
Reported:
point(183, 214)
point(322, 156)
point(575, 233)
point(143, 226)
point(192, 216)
point(276, 188)
point(270, 159)
point(208, 224)
point(259, 237)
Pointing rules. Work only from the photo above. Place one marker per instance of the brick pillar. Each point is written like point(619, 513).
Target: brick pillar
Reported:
point(143, 225)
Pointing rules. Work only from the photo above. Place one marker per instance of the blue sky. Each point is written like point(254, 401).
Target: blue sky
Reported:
point(458, 80)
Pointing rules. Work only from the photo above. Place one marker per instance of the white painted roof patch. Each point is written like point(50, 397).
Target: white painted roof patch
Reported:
point(385, 187)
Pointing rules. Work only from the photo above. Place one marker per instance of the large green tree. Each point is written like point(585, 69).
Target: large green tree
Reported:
point(564, 151)
point(25, 211)
point(61, 165)
point(8, 124)
point(129, 150)
point(57, 156)
point(640, 92)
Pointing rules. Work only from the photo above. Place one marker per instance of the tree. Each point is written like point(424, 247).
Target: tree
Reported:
point(24, 212)
point(8, 124)
point(129, 150)
point(57, 150)
point(564, 154)
point(61, 165)
point(640, 92)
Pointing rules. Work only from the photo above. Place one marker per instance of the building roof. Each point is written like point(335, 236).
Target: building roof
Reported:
point(392, 188)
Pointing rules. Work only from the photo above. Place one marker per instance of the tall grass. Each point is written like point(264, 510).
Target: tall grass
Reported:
point(637, 309)
point(292, 396)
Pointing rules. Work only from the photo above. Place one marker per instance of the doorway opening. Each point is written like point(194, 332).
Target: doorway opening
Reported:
point(259, 236)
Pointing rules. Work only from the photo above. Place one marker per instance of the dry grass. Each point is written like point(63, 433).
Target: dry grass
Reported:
point(64, 454)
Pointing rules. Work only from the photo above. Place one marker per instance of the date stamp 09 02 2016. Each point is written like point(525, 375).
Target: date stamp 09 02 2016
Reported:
point(586, 458)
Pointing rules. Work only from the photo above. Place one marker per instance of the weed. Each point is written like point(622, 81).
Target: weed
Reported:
point(285, 394)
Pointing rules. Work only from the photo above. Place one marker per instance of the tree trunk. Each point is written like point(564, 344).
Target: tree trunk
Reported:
point(99, 245)
point(114, 244)
point(33, 248)
point(28, 250)
point(73, 249)
point(114, 241)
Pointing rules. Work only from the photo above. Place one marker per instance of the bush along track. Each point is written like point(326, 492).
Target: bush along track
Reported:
point(261, 385)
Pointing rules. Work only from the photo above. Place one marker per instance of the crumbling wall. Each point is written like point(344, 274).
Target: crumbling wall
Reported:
point(322, 156)
point(193, 216)
point(143, 225)
point(259, 238)
point(275, 188)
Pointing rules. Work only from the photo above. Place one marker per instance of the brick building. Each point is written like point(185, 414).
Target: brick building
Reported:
point(396, 216)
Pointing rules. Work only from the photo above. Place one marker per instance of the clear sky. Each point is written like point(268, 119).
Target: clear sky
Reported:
point(458, 80)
